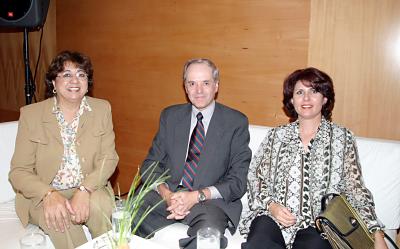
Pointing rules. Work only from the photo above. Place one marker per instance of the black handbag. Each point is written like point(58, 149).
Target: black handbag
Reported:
point(340, 223)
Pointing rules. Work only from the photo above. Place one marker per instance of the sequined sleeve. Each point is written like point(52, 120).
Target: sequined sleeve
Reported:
point(259, 183)
point(354, 188)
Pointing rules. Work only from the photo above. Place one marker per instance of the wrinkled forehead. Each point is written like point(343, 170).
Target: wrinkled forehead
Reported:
point(199, 66)
point(198, 71)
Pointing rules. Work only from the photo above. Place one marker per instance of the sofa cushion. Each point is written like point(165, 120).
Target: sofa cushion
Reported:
point(7, 143)
point(380, 164)
point(12, 229)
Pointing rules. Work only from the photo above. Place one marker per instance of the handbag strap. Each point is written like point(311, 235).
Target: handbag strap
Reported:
point(390, 240)
point(335, 229)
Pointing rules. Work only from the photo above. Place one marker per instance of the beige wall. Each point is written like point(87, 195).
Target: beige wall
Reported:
point(138, 49)
point(358, 43)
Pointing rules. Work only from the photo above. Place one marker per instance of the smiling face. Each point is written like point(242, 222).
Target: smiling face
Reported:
point(71, 84)
point(307, 101)
point(200, 86)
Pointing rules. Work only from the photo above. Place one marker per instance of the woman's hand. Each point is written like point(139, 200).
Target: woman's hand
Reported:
point(379, 241)
point(80, 202)
point(55, 211)
point(282, 214)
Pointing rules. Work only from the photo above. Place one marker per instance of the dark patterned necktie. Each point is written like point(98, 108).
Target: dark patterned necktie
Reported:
point(195, 147)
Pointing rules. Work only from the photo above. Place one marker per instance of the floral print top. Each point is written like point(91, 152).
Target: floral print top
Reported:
point(69, 175)
point(282, 171)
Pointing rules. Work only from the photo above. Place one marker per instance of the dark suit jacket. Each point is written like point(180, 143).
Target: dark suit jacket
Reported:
point(39, 150)
point(224, 160)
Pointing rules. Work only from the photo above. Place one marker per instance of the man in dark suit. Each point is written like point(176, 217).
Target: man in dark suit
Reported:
point(207, 158)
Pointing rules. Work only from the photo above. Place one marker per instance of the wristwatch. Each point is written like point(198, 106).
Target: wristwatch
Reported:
point(202, 197)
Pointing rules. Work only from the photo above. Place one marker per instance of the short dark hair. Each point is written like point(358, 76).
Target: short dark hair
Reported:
point(318, 80)
point(208, 62)
point(57, 65)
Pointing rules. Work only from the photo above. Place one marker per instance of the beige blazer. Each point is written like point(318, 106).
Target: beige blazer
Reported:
point(39, 150)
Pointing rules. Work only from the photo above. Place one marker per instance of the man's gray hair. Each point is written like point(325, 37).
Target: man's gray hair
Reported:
point(215, 71)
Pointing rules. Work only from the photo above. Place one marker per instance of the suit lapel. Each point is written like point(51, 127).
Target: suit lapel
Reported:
point(51, 130)
point(181, 138)
point(213, 139)
point(84, 122)
point(49, 121)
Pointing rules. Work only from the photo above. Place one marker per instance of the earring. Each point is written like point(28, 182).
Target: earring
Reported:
point(54, 91)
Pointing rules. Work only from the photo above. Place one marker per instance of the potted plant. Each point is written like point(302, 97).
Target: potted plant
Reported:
point(127, 210)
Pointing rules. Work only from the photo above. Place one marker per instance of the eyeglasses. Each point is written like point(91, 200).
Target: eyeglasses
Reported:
point(67, 76)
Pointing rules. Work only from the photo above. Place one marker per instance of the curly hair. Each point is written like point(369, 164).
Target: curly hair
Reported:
point(57, 66)
point(315, 78)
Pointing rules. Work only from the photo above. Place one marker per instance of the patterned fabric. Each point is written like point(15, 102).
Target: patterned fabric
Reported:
point(69, 175)
point(195, 147)
point(283, 172)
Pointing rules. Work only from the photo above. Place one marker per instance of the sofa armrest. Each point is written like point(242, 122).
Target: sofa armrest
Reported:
point(8, 133)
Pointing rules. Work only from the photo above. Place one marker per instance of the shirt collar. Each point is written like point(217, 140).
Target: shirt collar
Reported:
point(291, 132)
point(207, 113)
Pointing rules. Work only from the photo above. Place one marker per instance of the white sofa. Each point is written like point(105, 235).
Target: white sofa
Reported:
point(10, 226)
point(380, 160)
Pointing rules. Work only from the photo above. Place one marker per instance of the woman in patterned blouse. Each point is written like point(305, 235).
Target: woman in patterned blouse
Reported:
point(64, 156)
point(297, 164)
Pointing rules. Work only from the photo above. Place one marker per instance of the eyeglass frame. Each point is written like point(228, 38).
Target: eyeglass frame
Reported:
point(81, 75)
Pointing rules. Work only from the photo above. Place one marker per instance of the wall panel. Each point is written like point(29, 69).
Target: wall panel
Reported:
point(357, 42)
point(139, 47)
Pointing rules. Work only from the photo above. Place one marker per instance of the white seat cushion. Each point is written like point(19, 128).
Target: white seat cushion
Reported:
point(380, 163)
point(12, 229)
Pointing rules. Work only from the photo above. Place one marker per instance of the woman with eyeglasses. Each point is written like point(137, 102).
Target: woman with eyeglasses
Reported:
point(64, 155)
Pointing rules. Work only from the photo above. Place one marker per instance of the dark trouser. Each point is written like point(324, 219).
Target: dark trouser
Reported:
point(201, 215)
point(266, 234)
